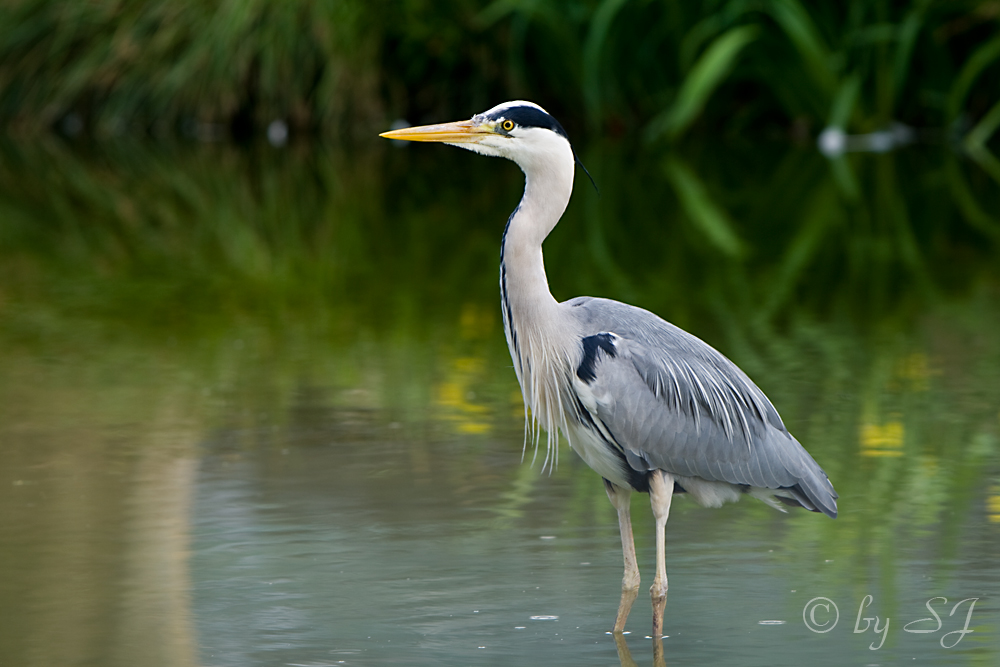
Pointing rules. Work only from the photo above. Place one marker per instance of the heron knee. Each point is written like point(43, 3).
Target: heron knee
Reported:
point(619, 497)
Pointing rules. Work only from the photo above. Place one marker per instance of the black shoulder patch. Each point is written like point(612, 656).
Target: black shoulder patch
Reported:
point(591, 346)
point(531, 117)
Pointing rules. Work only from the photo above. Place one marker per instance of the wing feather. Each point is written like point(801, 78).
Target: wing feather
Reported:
point(683, 407)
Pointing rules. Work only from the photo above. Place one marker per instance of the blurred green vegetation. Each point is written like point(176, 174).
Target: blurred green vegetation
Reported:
point(750, 247)
point(188, 236)
point(344, 67)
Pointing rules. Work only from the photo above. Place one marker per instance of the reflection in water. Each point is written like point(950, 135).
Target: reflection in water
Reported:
point(884, 440)
point(993, 505)
point(457, 398)
point(256, 407)
point(625, 656)
point(156, 625)
point(455, 394)
point(94, 532)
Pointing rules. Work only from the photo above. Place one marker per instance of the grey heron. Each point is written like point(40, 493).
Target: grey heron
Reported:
point(650, 407)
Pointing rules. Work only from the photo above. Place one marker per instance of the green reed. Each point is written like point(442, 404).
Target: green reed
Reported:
point(660, 67)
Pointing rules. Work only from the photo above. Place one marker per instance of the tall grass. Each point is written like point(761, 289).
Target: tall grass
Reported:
point(663, 67)
point(155, 64)
point(738, 63)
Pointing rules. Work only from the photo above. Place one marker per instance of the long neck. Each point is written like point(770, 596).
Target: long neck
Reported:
point(521, 264)
point(533, 321)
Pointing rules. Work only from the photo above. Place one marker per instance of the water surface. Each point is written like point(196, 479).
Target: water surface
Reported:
point(256, 407)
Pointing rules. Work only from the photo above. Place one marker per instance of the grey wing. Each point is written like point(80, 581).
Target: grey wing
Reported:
point(672, 402)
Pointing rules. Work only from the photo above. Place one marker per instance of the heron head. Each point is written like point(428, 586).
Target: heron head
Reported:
point(520, 131)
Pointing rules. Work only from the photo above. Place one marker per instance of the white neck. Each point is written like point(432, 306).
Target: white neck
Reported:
point(548, 172)
point(533, 320)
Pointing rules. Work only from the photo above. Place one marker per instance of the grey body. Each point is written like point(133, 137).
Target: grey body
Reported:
point(667, 400)
point(648, 406)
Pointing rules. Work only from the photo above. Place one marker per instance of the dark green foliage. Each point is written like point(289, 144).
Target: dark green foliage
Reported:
point(664, 67)
point(156, 64)
point(763, 63)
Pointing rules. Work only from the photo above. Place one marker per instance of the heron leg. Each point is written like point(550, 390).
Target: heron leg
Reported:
point(621, 498)
point(661, 492)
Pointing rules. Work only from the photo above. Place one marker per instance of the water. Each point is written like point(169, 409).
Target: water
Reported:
point(256, 408)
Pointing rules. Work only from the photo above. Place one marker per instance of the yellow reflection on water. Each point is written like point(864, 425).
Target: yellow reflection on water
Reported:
point(882, 440)
point(518, 408)
point(456, 395)
point(915, 370)
point(476, 321)
point(993, 505)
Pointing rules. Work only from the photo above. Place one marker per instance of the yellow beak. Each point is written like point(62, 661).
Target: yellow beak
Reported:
point(460, 132)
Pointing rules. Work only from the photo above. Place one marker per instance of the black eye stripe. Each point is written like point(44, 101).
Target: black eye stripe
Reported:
point(529, 117)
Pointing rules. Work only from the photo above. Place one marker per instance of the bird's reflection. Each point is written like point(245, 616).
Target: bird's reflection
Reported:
point(625, 656)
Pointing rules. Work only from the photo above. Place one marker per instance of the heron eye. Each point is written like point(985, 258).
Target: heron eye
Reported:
point(508, 125)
